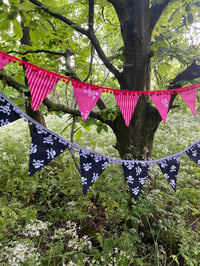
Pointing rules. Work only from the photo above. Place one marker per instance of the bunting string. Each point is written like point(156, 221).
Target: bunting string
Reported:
point(42, 82)
point(46, 145)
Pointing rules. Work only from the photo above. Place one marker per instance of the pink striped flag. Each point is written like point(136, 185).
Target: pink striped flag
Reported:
point(162, 101)
point(189, 96)
point(126, 104)
point(40, 83)
point(86, 98)
point(4, 60)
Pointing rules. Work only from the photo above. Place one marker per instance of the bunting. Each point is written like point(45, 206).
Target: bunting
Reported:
point(41, 84)
point(45, 147)
point(86, 98)
point(135, 174)
point(7, 112)
point(170, 169)
point(91, 168)
point(162, 101)
point(126, 104)
point(189, 96)
point(194, 153)
point(4, 60)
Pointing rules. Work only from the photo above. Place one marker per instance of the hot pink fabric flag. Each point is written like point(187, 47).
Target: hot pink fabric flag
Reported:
point(162, 101)
point(190, 98)
point(126, 104)
point(86, 98)
point(4, 60)
point(40, 83)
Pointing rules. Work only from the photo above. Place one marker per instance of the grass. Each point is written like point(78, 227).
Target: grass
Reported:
point(45, 220)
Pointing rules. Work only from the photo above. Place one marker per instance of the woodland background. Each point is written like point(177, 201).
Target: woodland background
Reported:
point(44, 219)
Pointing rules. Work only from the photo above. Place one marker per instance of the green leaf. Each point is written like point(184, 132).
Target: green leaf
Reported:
point(190, 18)
point(17, 29)
point(12, 15)
point(78, 134)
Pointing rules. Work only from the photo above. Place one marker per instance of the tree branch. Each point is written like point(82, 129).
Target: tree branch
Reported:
point(36, 52)
point(91, 15)
point(10, 81)
point(156, 11)
point(89, 33)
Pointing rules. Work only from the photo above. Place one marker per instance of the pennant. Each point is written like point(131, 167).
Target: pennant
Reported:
point(86, 98)
point(135, 174)
point(170, 169)
point(44, 148)
point(162, 101)
point(4, 60)
point(41, 83)
point(126, 104)
point(7, 112)
point(92, 167)
point(189, 96)
point(194, 153)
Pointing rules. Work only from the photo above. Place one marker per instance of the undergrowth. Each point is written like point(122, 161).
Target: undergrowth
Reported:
point(45, 220)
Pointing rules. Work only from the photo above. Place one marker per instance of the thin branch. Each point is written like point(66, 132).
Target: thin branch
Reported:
point(91, 62)
point(36, 52)
point(91, 15)
point(89, 33)
point(156, 11)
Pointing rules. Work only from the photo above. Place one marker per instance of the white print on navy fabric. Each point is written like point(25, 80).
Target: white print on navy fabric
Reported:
point(38, 163)
point(44, 148)
point(170, 170)
point(33, 148)
point(5, 109)
point(91, 169)
point(135, 176)
point(4, 123)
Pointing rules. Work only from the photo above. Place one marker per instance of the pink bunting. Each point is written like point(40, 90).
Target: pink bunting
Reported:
point(86, 98)
point(189, 96)
point(40, 83)
point(162, 101)
point(126, 104)
point(4, 60)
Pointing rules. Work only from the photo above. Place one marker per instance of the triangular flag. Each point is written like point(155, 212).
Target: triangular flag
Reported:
point(86, 98)
point(126, 104)
point(41, 83)
point(92, 167)
point(189, 96)
point(162, 101)
point(4, 60)
point(194, 153)
point(135, 174)
point(44, 148)
point(7, 112)
point(170, 169)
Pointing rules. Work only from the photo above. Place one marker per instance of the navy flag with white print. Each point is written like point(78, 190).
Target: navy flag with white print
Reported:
point(92, 167)
point(7, 112)
point(194, 153)
point(135, 174)
point(44, 148)
point(170, 169)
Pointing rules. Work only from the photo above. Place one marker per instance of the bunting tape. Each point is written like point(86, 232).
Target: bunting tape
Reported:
point(47, 145)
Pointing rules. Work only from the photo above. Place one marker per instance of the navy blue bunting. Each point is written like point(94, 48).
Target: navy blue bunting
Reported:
point(194, 153)
point(135, 174)
point(7, 112)
point(170, 169)
point(45, 147)
point(92, 167)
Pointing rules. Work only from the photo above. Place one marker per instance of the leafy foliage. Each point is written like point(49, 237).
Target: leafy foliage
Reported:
point(46, 221)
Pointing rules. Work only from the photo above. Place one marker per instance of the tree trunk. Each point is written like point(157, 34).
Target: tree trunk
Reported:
point(136, 141)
